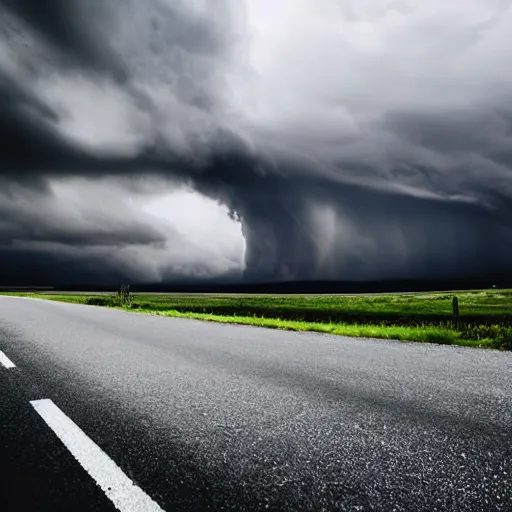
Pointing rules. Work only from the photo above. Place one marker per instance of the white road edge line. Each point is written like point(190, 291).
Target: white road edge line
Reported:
point(123, 493)
point(6, 361)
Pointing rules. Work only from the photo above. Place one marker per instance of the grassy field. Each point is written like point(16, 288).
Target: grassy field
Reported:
point(485, 315)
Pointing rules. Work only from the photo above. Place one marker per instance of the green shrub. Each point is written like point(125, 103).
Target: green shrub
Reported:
point(101, 301)
point(124, 297)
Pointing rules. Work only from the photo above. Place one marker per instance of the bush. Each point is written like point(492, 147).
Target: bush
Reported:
point(124, 296)
point(501, 335)
point(101, 301)
point(504, 342)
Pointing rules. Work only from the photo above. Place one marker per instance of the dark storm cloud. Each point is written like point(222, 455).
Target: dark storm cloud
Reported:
point(183, 47)
point(486, 133)
point(393, 167)
point(37, 267)
point(28, 144)
point(73, 215)
point(81, 220)
point(72, 27)
point(375, 234)
point(36, 226)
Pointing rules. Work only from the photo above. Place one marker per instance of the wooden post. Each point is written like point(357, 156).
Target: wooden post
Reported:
point(455, 310)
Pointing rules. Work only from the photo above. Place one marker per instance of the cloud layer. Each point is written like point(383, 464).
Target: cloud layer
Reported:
point(351, 140)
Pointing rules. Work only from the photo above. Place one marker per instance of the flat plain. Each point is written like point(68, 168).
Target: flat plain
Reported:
point(484, 320)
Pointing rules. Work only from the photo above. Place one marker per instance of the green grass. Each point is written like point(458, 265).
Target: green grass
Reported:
point(429, 334)
point(485, 315)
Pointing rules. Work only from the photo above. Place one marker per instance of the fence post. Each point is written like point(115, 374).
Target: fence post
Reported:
point(455, 310)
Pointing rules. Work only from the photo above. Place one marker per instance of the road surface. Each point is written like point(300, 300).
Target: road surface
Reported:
point(103, 409)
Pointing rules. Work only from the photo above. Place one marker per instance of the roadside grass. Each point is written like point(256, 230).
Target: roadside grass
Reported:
point(485, 315)
point(425, 334)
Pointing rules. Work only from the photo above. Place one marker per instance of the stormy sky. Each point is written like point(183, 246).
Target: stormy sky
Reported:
point(254, 140)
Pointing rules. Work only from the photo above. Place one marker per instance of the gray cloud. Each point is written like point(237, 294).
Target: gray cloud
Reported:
point(75, 220)
point(75, 30)
point(75, 217)
point(364, 142)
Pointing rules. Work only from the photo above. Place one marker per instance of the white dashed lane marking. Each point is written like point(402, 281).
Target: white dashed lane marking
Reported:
point(123, 493)
point(6, 361)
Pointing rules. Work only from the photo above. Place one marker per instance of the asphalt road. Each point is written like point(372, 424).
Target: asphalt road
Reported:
point(203, 416)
